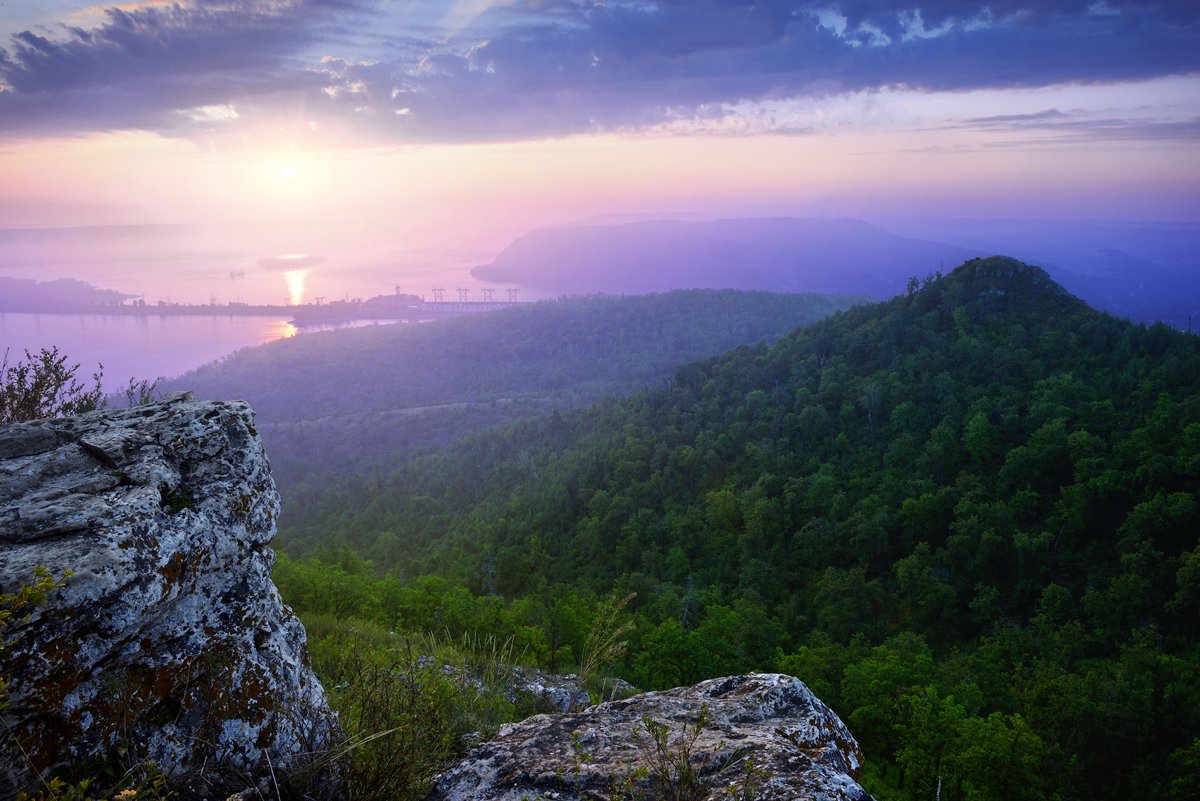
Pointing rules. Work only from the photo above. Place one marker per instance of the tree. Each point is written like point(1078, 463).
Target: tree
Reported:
point(927, 731)
point(980, 437)
point(1001, 758)
point(43, 385)
point(875, 689)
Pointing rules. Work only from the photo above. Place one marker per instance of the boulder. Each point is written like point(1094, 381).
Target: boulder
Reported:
point(546, 692)
point(760, 737)
point(528, 689)
point(169, 641)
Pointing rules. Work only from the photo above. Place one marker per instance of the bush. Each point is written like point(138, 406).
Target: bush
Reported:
point(45, 386)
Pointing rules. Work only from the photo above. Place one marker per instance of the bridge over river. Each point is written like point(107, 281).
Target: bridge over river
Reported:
point(413, 309)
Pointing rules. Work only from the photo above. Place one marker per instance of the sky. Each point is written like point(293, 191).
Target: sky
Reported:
point(411, 132)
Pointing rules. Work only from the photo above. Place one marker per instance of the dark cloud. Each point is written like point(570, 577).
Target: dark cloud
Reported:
point(891, 16)
point(1057, 127)
point(1012, 120)
point(556, 67)
point(140, 67)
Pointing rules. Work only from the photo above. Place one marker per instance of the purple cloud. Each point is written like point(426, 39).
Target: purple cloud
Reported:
point(139, 68)
point(556, 67)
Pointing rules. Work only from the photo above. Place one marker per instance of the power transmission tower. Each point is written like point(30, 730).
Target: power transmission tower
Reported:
point(487, 295)
point(512, 295)
point(462, 294)
point(439, 294)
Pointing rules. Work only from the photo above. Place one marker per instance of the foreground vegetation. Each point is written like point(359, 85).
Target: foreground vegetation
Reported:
point(44, 384)
point(967, 518)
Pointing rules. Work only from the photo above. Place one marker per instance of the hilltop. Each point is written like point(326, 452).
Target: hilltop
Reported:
point(1141, 270)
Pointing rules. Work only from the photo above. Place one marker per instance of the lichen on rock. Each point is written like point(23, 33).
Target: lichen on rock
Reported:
point(169, 640)
point(799, 748)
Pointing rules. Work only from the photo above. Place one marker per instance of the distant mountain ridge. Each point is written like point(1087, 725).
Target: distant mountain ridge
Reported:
point(1145, 271)
point(777, 254)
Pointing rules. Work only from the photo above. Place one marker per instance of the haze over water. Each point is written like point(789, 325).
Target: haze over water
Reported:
point(200, 264)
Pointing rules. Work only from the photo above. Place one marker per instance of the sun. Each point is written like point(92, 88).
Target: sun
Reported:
point(287, 176)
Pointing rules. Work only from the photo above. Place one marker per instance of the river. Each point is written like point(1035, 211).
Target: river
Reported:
point(134, 347)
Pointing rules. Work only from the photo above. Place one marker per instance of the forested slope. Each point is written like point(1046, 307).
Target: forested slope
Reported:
point(357, 400)
point(966, 516)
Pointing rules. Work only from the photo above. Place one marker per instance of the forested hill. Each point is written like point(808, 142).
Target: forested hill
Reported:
point(360, 399)
point(967, 516)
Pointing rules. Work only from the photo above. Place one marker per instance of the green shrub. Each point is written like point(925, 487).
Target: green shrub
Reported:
point(44, 385)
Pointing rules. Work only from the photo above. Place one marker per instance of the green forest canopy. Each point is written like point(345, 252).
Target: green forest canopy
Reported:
point(967, 517)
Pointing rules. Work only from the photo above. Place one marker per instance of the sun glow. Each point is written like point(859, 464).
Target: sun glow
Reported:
point(295, 284)
point(286, 175)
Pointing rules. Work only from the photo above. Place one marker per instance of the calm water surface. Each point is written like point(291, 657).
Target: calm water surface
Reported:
point(136, 347)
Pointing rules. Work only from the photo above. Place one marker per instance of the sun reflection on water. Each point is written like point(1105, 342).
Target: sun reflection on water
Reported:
point(283, 330)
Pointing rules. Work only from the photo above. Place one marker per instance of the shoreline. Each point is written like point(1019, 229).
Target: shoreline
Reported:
point(299, 316)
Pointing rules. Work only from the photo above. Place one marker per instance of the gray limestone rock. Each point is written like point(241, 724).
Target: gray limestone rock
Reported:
point(546, 692)
point(169, 639)
point(798, 747)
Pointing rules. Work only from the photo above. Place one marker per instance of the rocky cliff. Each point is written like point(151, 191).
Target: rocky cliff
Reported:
point(695, 742)
point(169, 642)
